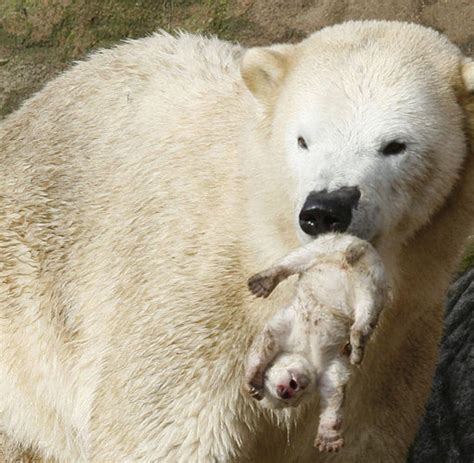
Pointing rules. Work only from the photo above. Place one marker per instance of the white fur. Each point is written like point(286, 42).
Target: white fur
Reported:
point(347, 108)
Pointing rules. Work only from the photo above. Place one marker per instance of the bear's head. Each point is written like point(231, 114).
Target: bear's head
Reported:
point(369, 119)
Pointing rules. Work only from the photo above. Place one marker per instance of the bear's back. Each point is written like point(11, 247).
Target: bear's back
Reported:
point(120, 216)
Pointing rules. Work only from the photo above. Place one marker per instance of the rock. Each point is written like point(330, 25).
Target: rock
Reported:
point(446, 434)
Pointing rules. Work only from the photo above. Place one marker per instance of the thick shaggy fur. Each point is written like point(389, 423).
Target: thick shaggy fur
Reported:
point(139, 191)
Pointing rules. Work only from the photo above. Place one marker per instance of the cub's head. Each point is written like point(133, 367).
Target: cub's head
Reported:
point(288, 380)
point(367, 117)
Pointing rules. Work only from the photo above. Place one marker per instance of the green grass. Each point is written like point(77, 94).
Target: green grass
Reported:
point(468, 259)
point(73, 28)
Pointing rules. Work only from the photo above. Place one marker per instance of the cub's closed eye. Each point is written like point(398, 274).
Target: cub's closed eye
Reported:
point(302, 143)
point(394, 147)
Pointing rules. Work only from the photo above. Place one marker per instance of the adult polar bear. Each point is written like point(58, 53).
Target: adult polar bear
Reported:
point(141, 188)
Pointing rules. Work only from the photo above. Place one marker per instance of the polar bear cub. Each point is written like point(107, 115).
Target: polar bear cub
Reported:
point(310, 344)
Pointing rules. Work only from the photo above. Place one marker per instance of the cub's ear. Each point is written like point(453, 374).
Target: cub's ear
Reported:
point(468, 74)
point(263, 69)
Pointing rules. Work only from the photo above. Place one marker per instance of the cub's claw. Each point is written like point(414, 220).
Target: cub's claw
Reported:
point(329, 443)
point(261, 284)
point(254, 391)
point(356, 357)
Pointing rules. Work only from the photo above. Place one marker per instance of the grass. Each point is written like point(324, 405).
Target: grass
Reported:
point(73, 27)
point(468, 259)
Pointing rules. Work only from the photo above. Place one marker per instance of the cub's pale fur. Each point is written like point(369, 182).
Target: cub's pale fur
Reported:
point(308, 346)
point(141, 188)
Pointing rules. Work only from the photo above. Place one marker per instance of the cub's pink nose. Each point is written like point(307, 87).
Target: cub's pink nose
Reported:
point(287, 391)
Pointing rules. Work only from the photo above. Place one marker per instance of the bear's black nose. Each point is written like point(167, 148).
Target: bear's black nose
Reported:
point(326, 212)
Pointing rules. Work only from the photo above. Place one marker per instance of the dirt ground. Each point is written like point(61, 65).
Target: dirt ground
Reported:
point(40, 38)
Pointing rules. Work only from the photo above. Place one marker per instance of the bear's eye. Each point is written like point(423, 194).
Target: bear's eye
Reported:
point(302, 143)
point(394, 147)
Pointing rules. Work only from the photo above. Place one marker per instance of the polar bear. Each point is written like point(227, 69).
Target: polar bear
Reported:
point(141, 188)
point(308, 346)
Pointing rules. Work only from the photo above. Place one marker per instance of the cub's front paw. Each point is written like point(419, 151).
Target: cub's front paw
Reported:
point(262, 284)
point(329, 442)
point(254, 391)
point(357, 343)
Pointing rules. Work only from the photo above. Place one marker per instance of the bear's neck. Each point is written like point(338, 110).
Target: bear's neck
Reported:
point(424, 266)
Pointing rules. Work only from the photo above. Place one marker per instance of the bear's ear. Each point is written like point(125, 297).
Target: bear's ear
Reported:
point(263, 70)
point(468, 74)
